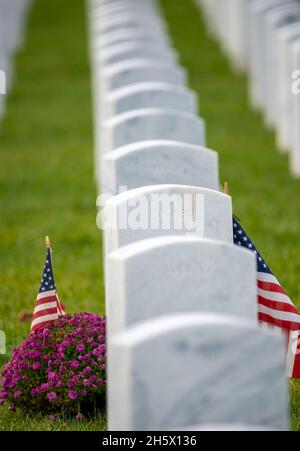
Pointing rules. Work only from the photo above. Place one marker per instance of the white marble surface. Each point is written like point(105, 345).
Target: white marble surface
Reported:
point(124, 7)
point(134, 50)
point(194, 369)
point(295, 153)
point(155, 162)
point(173, 274)
point(286, 37)
point(112, 5)
point(110, 24)
point(257, 9)
point(126, 34)
point(129, 72)
point(13, 17)
point(216, 216)
point(150, 95)
point(152, 124)
point(274, 21)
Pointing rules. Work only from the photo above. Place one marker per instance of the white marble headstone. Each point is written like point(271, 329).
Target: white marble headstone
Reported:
point(173, 274)
point(295, 154)
point(152, 211)
point(273, 21)
point(116, 5)
point(128, 34)
point(110, 24)
point(134, 50)
point(128, 72)
point(149, 95)
point(152, 124)
point(121, 7)
point(257, 10)
point(286, 37)
point(155, 162)
point(194, 369)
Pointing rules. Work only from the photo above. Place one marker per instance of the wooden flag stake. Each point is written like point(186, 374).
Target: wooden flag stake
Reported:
point(47, 242)
point(226, 188)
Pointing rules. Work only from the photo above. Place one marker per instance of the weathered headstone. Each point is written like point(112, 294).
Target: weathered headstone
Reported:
point(174, 274)
point(129, 72)
point(120, 8)
point(149, 95)
point(273, 21)
point(257, 10)
point(193, 369)
point(152, 124)
point(158, 210)
point(134, 50)
point(129, 34)
point(286, 37)
point(295, 154)
point(156, 162)
point(125, 20)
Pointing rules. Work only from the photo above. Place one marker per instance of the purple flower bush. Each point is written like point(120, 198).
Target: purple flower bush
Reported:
point(60, 369)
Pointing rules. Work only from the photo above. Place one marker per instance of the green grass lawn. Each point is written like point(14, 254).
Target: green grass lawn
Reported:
point(46, 179)
point(265, 196)
point(46, 173)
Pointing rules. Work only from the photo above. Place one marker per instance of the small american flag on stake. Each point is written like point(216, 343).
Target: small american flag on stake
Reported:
point(274, 306)
point(48, 307)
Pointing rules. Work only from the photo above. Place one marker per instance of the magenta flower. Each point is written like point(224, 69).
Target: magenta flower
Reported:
point(57, 363)
point(52, 376)
point(46, 332)
point(51, 396)
point(87, 370)
point(80, 347)
point(71, 383)
point(72, 395)
point(74, 365)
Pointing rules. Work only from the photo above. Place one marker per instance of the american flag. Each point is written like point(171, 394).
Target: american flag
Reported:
point(48, 306)
point(274, 305)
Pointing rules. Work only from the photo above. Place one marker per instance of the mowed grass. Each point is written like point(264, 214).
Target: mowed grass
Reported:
point(265, 196)
point(46, 180)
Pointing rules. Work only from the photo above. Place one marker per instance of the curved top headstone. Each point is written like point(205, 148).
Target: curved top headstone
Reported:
point(187, 369)
point(128, 72)
point(155, 162)
point(126, 34)
point(173, 274)
point(135, 50)
point(152, 124)
point(150, 95)
point(125, 20)
point(158, 210)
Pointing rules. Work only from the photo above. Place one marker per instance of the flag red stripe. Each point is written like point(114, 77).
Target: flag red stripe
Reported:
point(296, 367)
point(271, 287)
point(39, 325)
point(44, 312)
point(46, 300)
point(288, 325)
point(279, 306)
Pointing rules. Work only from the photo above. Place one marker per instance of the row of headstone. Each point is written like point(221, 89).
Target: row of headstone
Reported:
point(12, 21)
point(184, 347)
point(263, 37)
